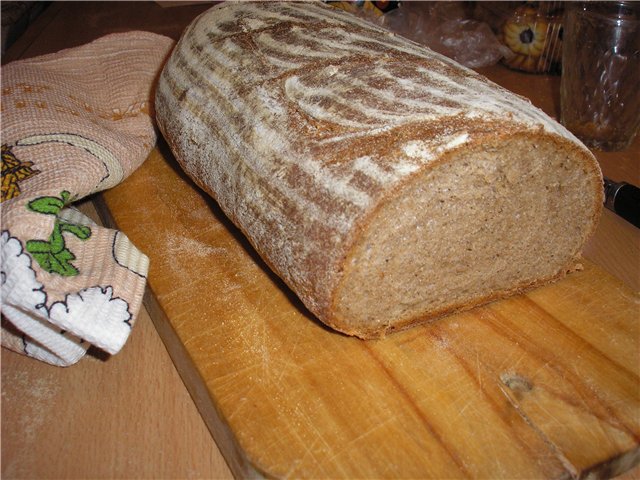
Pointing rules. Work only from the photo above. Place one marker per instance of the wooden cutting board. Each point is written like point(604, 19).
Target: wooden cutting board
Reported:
point(540, 385)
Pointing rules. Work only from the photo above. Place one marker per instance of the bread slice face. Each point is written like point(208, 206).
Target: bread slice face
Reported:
point(384, 183)
point(483, 222)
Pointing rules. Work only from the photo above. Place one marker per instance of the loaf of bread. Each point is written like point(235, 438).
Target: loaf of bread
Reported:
point(384, 183)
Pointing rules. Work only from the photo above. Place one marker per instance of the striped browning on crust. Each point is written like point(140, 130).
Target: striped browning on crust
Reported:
point(309, 126)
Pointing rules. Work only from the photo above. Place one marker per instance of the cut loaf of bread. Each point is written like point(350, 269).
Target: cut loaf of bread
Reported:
point(384, 183)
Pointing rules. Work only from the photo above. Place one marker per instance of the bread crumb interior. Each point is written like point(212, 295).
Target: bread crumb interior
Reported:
point(488, 220)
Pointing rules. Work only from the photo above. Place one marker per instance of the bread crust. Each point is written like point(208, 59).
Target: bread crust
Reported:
point(330, 120)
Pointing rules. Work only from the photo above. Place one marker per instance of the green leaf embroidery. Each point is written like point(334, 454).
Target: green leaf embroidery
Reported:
point(53, 255)
point(46, 205)
point(50, 205)
point(81, 231)
point(60, 263)
point(38, 246)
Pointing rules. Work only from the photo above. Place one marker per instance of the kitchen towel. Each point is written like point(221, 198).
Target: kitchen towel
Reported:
point(73, 123)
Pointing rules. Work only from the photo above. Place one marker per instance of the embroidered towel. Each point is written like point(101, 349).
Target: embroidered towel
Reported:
point(73, 123)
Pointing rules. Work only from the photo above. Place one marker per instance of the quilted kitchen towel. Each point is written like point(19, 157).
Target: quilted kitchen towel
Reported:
point(73, 123)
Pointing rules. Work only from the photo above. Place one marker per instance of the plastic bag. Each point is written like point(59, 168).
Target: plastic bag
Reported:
point(447, 28)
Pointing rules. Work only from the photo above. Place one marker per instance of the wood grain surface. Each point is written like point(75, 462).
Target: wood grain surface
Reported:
point(540, 385)
point(489, 393)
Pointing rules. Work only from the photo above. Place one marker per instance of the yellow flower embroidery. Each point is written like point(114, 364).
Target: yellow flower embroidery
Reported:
point(13, 172)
